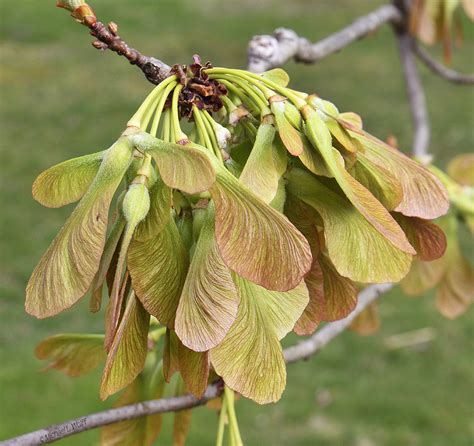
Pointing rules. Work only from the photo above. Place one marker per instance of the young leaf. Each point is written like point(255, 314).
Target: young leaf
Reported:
point(72, 354)
point(340, 293)
point(184, 167)
point(127, 354)
point(66, 182)
point(194, 368)
point(105, 261)
point(250, 357)
point(159, 213)
point(158, 269)
point(277, 75)
point(288, 134)
point(342, 136)
point(461, 168)
point(359, 196)
point(310, 318)
point(423, 194)
point(68, 267)
point(356, 248)
point(260, 173)
point(170, 355)
point(383, 185)
point(255, 240)
point(312, 159)
point(428, 239)
point(208, 304)
point(368, 321)
point(135, 207)
point(331, 296)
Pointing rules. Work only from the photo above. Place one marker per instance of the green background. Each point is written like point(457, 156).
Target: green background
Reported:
point(60, 98)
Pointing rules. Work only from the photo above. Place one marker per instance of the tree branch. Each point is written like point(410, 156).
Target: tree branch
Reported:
point(415, 93)
point(266, 52)
point(302, 350)
point(440, 69)
point(107, 39)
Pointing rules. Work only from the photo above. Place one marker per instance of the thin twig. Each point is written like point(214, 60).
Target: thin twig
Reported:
point(440, 69)
point(416, 95)
point(265, 52)
point(107, 39)
point(300, 351)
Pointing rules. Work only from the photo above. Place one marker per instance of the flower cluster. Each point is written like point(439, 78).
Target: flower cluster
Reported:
point(244, 210)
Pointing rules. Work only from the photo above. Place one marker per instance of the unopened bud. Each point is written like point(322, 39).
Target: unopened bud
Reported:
point(99, 45)
point(136, 203)
point(113, 28)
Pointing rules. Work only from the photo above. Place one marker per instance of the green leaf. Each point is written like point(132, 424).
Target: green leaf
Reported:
point(277, 75)
point(342, 136)
point(356, 248)
point(170, 354)
point(288, 134)
point(194, 369)
point(423, 194)
point(139, 431)
point(250, 358)
point(72, 354)
point(66, 182)
point(158, 269)
point(68, 267)
point(461, 169)
point(159, 213)
point(105, 262)
point(260, 173)
point(135, 206)
point(359, 196)
point(184, 167)
point(379, 181)
point(128, 351)
point(312, 159)
point(255, 240)
point(208, 304)
point(331, 296)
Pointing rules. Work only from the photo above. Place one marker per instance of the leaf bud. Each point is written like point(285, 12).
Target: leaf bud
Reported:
point(136, 203)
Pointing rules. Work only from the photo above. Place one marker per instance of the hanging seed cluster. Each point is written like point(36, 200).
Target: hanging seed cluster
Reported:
point(241, 210)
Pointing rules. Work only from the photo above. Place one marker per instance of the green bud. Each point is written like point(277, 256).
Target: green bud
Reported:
point(199, 216)
point(136, 203)
point(184, 224)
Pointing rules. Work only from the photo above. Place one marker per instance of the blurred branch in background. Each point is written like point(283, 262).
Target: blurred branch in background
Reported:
point(298, 352)
point(266, 52)
point(440, 69)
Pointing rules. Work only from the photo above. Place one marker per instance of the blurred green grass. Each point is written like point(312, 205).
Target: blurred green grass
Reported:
point(60, 98)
